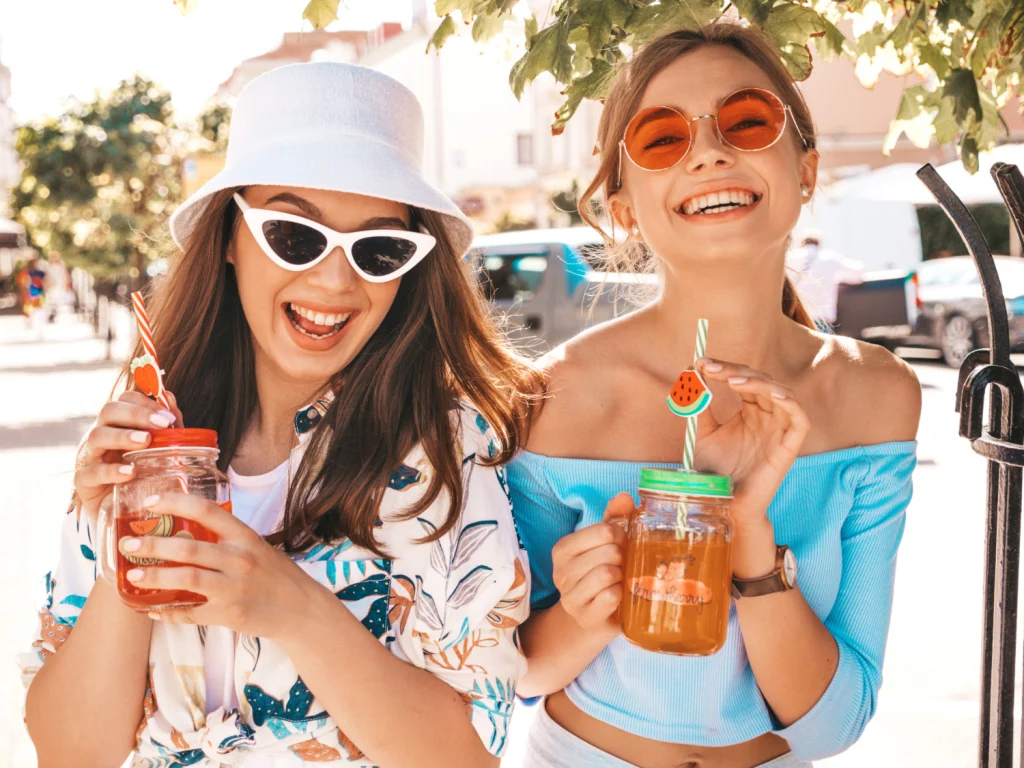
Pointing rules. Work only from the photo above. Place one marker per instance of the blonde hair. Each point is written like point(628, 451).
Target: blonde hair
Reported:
point(623, 100)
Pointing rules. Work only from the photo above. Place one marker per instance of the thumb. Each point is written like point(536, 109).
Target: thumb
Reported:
point(179, 419)
point(619, 507)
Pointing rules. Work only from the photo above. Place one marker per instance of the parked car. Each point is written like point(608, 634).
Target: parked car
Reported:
point(545, 285)
point(953, 316)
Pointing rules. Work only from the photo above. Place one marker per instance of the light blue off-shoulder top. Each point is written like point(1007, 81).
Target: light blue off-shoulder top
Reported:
point(841, 512)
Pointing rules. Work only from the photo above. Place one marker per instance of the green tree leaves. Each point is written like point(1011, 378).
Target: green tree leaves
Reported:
point(99, 181)
point(968, 52)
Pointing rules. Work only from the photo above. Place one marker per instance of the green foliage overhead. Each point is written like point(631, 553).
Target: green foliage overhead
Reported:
point(99, 181)
point(965, 55)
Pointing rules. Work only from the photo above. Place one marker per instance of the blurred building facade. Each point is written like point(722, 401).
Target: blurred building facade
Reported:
point(9, 172)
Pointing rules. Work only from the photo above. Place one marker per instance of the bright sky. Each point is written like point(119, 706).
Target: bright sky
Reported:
point(61, 48)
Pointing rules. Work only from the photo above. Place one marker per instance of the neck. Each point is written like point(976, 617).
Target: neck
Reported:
point(280, 397)
point(743, 307)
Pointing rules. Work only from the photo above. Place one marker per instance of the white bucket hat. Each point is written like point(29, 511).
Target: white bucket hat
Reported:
point(327, 125)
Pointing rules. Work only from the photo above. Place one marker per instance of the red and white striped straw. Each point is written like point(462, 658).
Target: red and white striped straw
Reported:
point(146, 333)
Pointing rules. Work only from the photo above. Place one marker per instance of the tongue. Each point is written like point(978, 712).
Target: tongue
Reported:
point(309, 326)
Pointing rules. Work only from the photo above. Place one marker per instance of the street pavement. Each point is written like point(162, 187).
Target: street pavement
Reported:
point(51, 388)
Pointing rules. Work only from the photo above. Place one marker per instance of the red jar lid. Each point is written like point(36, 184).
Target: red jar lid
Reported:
point(183, 438)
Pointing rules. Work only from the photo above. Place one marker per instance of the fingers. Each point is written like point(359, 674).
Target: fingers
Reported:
point(91, 477)
point(135, 415)
point(596, 597)
point(184, 577)
point(591, 537)
point(582, 565)
point(200, 510)
point(179, 419)
point(104, 438)
point(180, 549)
point(719, 370)
point(619, 507)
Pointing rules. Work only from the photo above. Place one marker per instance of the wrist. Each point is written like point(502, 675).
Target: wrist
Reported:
point(753, 550)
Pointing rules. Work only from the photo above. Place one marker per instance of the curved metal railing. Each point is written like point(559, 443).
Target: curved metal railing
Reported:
point(991, 372)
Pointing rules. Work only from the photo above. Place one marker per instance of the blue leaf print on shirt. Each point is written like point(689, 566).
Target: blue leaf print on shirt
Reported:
point(87, 553)
point(404, 477)
point(470, 540)
point(468, 586)
point(265, 706)
point(375, 585)
point(187, 758)
point(481, 424)
point(50, 584)
point(76, 600)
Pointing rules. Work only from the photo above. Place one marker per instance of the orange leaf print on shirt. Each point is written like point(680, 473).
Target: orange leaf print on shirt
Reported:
point(499, 616)
point(314, 751)
point(354, 752)
point(148, 705)
point(52, 632)
point(401, 605)
point(456, 658)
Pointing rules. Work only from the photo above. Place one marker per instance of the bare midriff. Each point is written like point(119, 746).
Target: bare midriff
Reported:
point(648, 753)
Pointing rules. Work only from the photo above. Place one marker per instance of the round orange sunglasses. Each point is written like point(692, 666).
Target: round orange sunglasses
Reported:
point(748, 120)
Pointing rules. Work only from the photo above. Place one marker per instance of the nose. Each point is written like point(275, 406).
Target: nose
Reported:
point(707, 150)
point(334, 274)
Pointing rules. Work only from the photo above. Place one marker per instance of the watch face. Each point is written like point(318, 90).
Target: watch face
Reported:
point(789, 567)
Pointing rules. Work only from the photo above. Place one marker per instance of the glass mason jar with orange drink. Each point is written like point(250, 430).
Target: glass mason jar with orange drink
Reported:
point(678, 571)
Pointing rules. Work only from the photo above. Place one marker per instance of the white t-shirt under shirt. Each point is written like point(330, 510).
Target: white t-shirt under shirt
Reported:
point(258, 501)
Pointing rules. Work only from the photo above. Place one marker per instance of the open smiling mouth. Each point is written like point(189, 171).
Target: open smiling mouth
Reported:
point(718, 202)
point(315, 325)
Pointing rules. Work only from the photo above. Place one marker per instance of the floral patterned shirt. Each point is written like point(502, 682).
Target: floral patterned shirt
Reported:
point(451, 607)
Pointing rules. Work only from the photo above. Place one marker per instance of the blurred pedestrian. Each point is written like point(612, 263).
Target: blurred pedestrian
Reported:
point(31, 288)
point(819, 272)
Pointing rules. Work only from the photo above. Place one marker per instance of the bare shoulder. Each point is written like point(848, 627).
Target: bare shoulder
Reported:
point(880, 393)
point(582, 385)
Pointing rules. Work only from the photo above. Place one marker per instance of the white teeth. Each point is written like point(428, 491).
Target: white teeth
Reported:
point(319, 318)
point(720, 201)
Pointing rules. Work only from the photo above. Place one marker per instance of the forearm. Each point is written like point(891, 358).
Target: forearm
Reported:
point(557, 650)
point(791, 652)
point(85, 704)
point(436, 729)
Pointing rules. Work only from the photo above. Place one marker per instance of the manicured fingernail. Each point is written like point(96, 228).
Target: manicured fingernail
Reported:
point(738, 379)
point(712, 366)
point(130, 545)
point(161, 419)
point(139, 437)
point(151, 501)
point(779, 395)
point(126, 469)
point(135, 574)
point(155, 616)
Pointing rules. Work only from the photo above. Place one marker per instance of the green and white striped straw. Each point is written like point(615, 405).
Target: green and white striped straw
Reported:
point(691, 423)
point(691, 427)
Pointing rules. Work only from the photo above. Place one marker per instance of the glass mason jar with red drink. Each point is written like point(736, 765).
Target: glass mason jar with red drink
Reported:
point(176, 461)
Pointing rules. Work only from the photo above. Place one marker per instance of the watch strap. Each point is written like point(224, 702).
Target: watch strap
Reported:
point(765, 585)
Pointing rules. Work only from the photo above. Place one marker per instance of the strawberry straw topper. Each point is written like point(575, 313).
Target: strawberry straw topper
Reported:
point(145, 368)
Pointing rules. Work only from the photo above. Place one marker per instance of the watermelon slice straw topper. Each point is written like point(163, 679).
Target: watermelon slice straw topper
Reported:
point(690, 396)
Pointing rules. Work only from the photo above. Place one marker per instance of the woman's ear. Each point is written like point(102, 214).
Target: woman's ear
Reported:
point(622, 214)
point(809, 173)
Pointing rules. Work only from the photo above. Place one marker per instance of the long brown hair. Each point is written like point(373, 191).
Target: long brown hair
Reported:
point(623, 100)
point(434, 347)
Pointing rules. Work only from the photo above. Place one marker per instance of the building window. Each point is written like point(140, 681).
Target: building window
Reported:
point(524, 148)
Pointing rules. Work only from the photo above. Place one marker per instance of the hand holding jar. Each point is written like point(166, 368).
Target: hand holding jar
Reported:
point(123, 425)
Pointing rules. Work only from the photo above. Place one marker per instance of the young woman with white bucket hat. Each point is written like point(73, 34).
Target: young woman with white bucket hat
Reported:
point(363, 600)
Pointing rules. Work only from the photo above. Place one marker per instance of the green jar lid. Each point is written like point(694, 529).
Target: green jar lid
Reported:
point(689, 483)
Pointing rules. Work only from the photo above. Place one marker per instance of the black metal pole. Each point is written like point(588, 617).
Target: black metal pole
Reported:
point(1002, 535)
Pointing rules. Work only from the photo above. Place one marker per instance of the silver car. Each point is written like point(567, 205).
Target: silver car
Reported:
point(544, 285)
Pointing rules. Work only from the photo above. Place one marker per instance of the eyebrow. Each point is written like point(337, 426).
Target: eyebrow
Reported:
point(718, 105)
point(378, 222)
